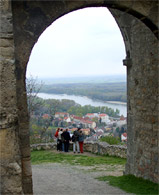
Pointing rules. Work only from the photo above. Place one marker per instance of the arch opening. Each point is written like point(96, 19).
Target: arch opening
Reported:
point(84, 45)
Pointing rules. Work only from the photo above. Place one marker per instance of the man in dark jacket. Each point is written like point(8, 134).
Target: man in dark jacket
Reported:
point(67, 138)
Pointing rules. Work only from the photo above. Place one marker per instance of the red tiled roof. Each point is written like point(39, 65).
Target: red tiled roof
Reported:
point(77, 117)
point(86, 121)
point(45, 116)
point(86, 118)
point(102, 114)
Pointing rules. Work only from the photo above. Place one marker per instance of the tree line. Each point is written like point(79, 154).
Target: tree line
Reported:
point(51, 106)
point(99, 91)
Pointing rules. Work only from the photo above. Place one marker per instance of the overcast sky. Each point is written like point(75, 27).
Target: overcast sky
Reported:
point(81, 43)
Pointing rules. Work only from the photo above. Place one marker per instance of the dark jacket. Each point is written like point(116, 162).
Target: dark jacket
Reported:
point(66, 136)
point(76, 135)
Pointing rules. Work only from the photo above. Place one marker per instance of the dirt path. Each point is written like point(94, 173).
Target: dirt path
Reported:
point(59, 179)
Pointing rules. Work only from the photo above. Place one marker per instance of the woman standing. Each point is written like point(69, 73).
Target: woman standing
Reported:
point(81, 140)
point(57, 139)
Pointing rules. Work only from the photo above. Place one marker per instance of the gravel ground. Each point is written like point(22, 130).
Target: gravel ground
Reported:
point(59, 179)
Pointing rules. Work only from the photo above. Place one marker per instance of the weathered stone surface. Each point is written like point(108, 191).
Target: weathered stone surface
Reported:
point(22, 22)
point(10, 157)
point(11, 177)
point(11, 184)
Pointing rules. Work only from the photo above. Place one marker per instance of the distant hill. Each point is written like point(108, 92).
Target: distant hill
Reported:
point(85, 79)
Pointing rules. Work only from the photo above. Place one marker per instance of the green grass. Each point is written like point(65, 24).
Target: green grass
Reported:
point(110, 140)
point(38, 157)
point(132, 184)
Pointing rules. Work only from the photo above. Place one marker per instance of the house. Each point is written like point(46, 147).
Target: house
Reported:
point(61, 114)
point(104, 118)
point(88, 124)
point(67, 119)
point(86, 118)
point(77, 119)
point(45, 116)
point(122, 118)
point(122, 121)
point(90, 115)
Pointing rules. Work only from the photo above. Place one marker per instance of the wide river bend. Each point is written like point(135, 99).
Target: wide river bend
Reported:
point(82, 100)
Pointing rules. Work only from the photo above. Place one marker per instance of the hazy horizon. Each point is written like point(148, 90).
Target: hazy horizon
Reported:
point(79, 76)
point(83, 79)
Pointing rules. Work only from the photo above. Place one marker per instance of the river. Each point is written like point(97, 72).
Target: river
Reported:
point(82, 100)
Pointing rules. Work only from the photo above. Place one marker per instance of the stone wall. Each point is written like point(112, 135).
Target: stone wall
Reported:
point(142, 97)
point(142, 105)
point(22, 22)
point(95, 147)
point(10, 155)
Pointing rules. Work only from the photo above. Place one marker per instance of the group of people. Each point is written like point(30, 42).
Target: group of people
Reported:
point(64, 138)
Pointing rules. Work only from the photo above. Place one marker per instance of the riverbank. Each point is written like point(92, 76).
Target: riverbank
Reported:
point(83, 100)
point(116, 102)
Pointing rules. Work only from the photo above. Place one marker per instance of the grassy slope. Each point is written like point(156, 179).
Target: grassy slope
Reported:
point(38, 157)
point(131, 184)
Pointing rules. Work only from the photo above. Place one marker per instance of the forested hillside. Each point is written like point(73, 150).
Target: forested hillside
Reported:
point(99, 91)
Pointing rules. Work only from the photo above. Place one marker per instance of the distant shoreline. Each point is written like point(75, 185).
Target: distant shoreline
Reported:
point(95, 99)
point(84, 100)
point(116, 102)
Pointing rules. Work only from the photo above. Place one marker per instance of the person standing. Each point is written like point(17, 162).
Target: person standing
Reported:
point(57, 135)
point(81, 141)
point(60, 139)
point(67, 138)
point(75, 140)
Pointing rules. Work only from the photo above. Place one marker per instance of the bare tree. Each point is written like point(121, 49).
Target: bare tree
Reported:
point(33, 88)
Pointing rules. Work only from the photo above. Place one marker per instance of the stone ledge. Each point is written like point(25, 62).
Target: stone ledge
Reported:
point(94, 147)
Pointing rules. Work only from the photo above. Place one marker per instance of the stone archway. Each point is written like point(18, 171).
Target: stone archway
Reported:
point(22, 24)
